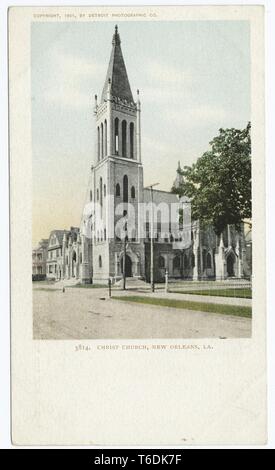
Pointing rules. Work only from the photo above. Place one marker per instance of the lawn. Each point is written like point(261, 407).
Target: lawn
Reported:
point(43, 283)
point(48, 289)
point(90, 286)
point(190, 305)
point(242, 293)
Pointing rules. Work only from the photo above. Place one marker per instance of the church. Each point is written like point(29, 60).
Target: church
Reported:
point(115, 185)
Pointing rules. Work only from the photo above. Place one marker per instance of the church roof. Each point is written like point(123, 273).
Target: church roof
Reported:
point(117, 73)
point(159, 196)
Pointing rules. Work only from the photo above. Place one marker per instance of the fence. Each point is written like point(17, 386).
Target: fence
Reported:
point(232, 287)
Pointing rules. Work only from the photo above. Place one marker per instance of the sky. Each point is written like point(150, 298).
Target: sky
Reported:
point(193, 77)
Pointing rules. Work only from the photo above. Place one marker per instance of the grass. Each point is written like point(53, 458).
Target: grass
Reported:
point(43, 283)
point(200, 283)
point(241, 293)
point(48, 289)
point(190, 305)
point(86, 286)
point(89, 286)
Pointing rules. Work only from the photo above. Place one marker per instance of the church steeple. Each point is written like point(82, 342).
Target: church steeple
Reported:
point(179, 178)
point(117, 115)
point(117, 74)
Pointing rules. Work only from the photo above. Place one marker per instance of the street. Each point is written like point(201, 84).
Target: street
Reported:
point(87, 313)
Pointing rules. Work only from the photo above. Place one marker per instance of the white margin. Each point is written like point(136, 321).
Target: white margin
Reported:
point(5, 441)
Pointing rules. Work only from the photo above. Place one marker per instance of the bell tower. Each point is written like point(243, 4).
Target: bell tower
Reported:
point(117, 115)
point(117, 174)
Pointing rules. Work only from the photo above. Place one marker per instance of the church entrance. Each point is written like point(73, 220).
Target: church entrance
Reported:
point(230, 265)
point(128, 266)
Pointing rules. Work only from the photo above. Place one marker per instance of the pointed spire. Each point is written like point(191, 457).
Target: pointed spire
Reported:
point(116, 38)
point(116, 74)
point(95, 106)
point(179, 178)
point(138, 100)
point(109, 88)
point(229, 244)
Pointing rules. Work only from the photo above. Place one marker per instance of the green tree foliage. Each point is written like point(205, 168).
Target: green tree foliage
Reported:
point(219, 183)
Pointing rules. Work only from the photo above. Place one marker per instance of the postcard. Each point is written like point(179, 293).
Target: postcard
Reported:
point(137, 190)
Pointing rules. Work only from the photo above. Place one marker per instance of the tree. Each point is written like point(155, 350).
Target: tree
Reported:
point(219, 183)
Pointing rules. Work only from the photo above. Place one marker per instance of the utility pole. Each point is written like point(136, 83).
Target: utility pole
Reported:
point(110, 287)
point(152, 239)
point(166, 281)
point(186, 228)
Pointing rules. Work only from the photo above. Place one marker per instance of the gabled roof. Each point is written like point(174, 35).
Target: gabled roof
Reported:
point(117, 74)
point(59, 235)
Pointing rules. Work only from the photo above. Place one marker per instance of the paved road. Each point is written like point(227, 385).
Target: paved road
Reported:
point(80, 313)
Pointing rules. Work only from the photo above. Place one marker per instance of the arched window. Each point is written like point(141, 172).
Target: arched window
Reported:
point(125, 188)
point(116, 135)
point(208, 261)
point(105, 137)
point(117, 190)
point(98, 143)
point(159, 233)
point(80, 258)
point(100, 190)
point(132, 140)
point(185, 261)
point(161, 262)
point(100, 195)
point(91, 195)
point(100, 261)
point(104, 190)
point(105, 234)
point(204, 252)
point(67, 260)
point(176, 262)
point(133, 192)
point(101, 141)
point(97, 195)
point(124, 138)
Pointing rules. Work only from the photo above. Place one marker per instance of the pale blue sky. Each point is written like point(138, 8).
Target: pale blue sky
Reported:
point(193, 77)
